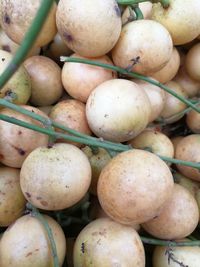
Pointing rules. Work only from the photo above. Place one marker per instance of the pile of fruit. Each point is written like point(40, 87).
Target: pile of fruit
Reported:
point(100, 133)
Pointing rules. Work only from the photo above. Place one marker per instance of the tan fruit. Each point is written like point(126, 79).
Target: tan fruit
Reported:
point(46, 81)
point(65, 179)
point(70, 113)
point(158, 142)
point(57, 48)
point(8, 45)
point(192, 62)
point(173, 105)
point(46, 109)
point(118, 110)
point(17, 142)
point(134, 186)
point(145, 7)
point(168, 72)
point(81, 35)
point(178, 218)
point(182, 21)
point(189, 85)
point(98, 158)
point(17, 16)
point(18, 88)
point(11, 198)
point(100, 244)
point(193, 121)
point(80, 80)
point(187, 256)
point(175, 141)
point(156, 96)
point(188, 149)
point(26, 243)
point(145, 43)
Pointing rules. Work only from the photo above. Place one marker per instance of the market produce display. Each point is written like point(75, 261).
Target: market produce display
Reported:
point(99, 133)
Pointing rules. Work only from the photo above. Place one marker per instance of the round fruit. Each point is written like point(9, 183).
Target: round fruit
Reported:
point(65, 179)
point(134, 186)
point(101, 243)
point(118, 110)
point(192, 62)
point(91, 27)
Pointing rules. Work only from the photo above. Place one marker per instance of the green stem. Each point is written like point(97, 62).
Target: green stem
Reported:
point(138, 13)
point(35, 212)
point(157, 242)
point(28, 41)
point(164, 3)
point(98, 143)
point(47, 122)
point(131, 74)
point(82, 140)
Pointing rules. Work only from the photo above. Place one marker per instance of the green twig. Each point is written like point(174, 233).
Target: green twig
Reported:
point(131, 74)
point(35, 212)
point(158, 242)
point(138, 13)
point(164, 3)
point(82, 140)
point(28, 41)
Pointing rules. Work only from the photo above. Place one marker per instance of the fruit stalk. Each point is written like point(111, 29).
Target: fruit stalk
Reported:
point(28, 41)
point(164, 3)
point(35, 212)
point(157, 242)
point(138, 13)
point(132, 74)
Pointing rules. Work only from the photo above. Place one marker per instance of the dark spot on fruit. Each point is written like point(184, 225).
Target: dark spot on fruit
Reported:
point(37, 249)
point(6, 48)
point(29, 254)
point(2, 193)
point(19, 150)
point(44, 203)
point(117, 11)
point(19, 132)
point(68, 37)
point(83, 247)
point(38, 198)
point(67, 186)
point(106, 115)
point(7, 19)
point(3, 59)
point(1, 157)
point(28, 194)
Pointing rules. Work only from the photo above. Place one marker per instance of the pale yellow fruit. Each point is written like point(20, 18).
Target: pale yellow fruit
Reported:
point(182, 21)
point(189, 256)
point(100, 244)
point(156, 96)
point(79, 80)
point(158, 142)
point(168, 72)
point(65, 179)
point(16, 142)
point(178, 218)
point(46, 81)
point(192, 62)
point(188, 149)
point(144, 46)
point(134, 186)
point(17, 16)
point(193, 121)
point(11, 198)
point(18, 88)
point(118, 110)
point(91, 27)
point(26, 243)
point(172, 104)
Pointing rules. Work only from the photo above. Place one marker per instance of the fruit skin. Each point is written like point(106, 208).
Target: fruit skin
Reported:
point(25, 243)
point(18, 88)
point(181, 20)
point(96, 30)
point(134, 186)
point(118, 110)
point(104, 242)
point(145, 42)
point(178, 218)
point(65, 179)
point(192, 62)
point(17, 16)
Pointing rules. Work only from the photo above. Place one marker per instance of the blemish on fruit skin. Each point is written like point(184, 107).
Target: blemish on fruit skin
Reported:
point(28, 194)
point(6, 48)
point(44, 203)
point(20, 150)
point(29, 254)
point(7, 19)
point(68, 37)
point(117, 11)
